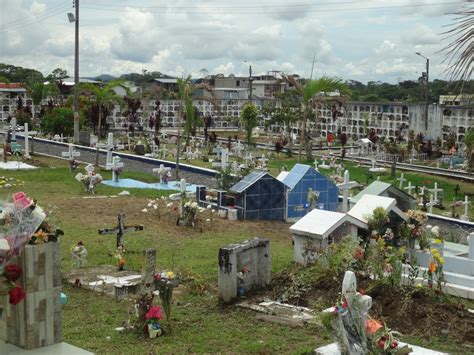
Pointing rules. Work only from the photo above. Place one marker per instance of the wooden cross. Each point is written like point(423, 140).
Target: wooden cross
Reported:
point(27, 135)
point(120, 229)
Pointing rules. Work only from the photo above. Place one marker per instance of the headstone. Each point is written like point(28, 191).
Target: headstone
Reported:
point(116, 166)
point(85, 138)
point(431, 204)
point(242, 267)
point(71, 154)
point(121, 229)
point(435, 191)
point(27, 135)
point(149, 267)
point(109, 146)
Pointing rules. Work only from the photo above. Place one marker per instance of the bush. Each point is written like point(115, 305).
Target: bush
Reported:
point(59, 120)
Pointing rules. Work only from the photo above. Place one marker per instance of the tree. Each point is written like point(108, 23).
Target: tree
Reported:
point(313, 93)
point(460, 51)
point(103, 97)
point(18, 74)
point(249, 118)
point(59, 120)
point(38, 90)
point(57, 74)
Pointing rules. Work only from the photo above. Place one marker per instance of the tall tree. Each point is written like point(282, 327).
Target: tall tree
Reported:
point(249, 118)
point(313, 93)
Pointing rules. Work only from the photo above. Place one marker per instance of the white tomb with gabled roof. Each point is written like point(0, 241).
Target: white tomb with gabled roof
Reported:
point(319, 228)
point(366, 205)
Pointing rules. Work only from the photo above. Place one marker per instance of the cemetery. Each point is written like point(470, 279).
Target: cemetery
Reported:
point(195, 266)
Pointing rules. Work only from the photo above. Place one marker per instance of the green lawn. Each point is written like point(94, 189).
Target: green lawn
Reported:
point(199, 323)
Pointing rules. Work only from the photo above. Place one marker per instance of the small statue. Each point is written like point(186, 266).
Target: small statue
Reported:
point(79, 254)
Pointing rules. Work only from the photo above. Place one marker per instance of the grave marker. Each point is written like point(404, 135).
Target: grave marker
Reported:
point(71, 154)
point(435, 191)
point(402, 180)
point(224, 158)
point(238, 148)
point(345, 187)
point(163, 172)
point(409, 187)
point(431, 204)
point(121, 229)
point(466, 204)
point(27, 135)
point(149, 267)
point(115, 166)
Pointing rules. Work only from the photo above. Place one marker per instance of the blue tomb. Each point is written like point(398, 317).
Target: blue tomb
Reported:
point(298, 181)
point(259, 196)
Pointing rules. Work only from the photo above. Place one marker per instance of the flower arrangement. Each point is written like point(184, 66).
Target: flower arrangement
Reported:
point(11, 273)
point(165, 282)
point(153, 316)
point(414, 229)
point(435, 269)
point(90, 180)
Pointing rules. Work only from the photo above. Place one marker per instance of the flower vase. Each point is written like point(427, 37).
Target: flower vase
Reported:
point(154, 330)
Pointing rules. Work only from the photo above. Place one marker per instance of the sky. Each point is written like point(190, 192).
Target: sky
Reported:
point(365, 40)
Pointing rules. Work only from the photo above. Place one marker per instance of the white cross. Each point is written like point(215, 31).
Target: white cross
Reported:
point(431, 204)
point(435, 191)
point(13, 129)
point(248, 158)
point(235, 168)
point(27, 135)
point(163, 172)
point(316, 164)
point(409, 187)
point(218, 151)
point(345, 187)
point(115, 166)
point(238, 148)
point(109, 146)
point(373, 163)
point(402, 180)
point(189, 153)
point(263, 161)
point(71, 153)
point(182, 188)
point(466, 204)
point(224, 158)
point(90, 170)
point(164, 151)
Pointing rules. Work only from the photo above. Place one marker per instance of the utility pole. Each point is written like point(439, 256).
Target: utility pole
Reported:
point(427, 88)
point(76, 75)
point(250, 82)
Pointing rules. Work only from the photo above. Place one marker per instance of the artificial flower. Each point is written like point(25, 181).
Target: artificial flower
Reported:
point(432, 267)
point(372, 326)
point(12, 272)
point(17, 294)
point(154, 314)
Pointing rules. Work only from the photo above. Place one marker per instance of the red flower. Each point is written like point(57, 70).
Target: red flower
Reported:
point(359, 253)
point(381, 343)
point(344, 305)
point(13, 272)
point(393, 345)
point(17, 294)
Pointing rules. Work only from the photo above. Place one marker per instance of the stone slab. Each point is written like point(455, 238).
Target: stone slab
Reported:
point(332, 349)
point(16, 165)
point(56, 349)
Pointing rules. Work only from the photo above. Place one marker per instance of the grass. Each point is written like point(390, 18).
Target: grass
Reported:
point(199, 323)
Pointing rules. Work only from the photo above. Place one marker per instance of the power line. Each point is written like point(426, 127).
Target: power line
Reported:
point(95, 7)
point(48, 11)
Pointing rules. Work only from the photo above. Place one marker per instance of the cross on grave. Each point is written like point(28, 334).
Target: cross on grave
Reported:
point(149, 268)
point(189, 153)
point(155, 149)
point(92, 178)
point(263, 161)
point(238, 148)
point(431, 204)
point(109, 146)
point(164, 151)
point(345, 187)
point(116, 165)
point(70, 155)
point(235, 168)
point(435, 191)
point(409, 187)
point(182, 188)
point(224, 158)
point(466, 204)
point(316, 165)
point(248, 159)
point(121, 229)
point(339, 170)
point(402, 180)
point(27, 135)
point(163, 172)
point(13, 129)
point(218, 151)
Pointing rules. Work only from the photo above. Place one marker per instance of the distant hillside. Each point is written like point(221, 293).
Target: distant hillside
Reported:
point(104, 78)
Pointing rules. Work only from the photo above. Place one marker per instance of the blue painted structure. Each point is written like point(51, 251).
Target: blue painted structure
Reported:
point(299, 180)
point(259, 196)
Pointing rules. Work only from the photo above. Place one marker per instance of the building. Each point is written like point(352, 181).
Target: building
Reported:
point(9, 94)
point(259, 196)
point(301, 181)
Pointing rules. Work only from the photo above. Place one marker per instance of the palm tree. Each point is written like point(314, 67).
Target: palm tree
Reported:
point(104, 97)
point(313, 93)
point(186, 89)
point(460, 51)
point(38, 90)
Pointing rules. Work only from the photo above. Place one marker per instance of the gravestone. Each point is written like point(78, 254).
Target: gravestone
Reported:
point(224, 158)
point(149, 268)
point(402, 180)
point(27, 135)
point(466, 204)
point(71, 154)
point(345, 187)
point(163, 172)
point(121, 229)
point(85, 138)
point(116, 165)
point(409, 188)
point(242, 267)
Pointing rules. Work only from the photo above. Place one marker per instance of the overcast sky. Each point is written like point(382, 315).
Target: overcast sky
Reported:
point(361, 40)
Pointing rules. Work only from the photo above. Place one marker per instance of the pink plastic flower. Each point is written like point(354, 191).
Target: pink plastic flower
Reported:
point(154, 313)
point(20, 199)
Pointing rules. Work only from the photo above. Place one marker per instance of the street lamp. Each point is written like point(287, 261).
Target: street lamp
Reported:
point(426, 87)
point(75, 19)
point(250, 79)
